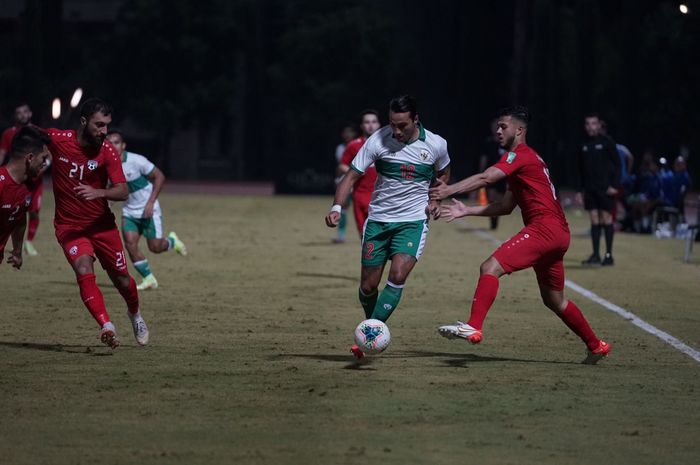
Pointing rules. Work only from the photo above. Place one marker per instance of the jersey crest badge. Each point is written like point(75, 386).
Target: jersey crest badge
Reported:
point(511, 157)
point(92, 164)
point(424, 154)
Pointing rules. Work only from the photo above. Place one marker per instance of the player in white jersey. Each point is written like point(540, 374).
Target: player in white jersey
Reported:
point(141, 215)
point(408, 159)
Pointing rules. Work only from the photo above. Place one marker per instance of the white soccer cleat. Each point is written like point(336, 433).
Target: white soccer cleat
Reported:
point(29, 249)
point(140, 328)
point(461, 331)
point(178, 245)
point(149, 282)
point(108, 335)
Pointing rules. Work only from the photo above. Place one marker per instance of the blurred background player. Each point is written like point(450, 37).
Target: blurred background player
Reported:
point(599, 175)
point(347, 134)
point(541, 244)
point(27, 156)
point(407, 157)
point(23, 118)
point(141, 214)
point(491, 152)
point(626, 180)
point(84, 163)
point(364, 187)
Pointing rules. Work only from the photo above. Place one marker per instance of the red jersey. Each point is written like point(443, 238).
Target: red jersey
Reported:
point(528, 179)
point(367, 181)
point(14, 202)
point(74, 165)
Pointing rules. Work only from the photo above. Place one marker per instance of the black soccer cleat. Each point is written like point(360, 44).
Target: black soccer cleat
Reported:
point(592, 260)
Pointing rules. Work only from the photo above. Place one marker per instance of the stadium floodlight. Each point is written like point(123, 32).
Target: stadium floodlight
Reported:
point(684, 8)
point(56, 108)
point(77, 95)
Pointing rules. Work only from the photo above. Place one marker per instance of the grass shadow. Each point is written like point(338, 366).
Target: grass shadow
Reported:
point(65, 348)
point(330, 276)
point(462, 360)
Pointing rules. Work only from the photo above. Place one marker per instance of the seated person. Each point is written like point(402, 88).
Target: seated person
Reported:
point(646, 195)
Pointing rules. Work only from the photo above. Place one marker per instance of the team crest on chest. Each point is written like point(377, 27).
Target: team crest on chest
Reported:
point(92, 165)
point(424, 154)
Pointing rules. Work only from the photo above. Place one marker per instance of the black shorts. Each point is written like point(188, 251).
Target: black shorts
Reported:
point(598, 200)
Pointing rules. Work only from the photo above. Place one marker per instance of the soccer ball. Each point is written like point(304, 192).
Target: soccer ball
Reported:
point(372, 336)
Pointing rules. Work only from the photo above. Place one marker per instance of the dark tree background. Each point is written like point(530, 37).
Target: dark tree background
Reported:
point(258, 90)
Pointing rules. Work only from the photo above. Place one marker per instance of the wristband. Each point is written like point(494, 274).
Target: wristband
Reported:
point(336, 208)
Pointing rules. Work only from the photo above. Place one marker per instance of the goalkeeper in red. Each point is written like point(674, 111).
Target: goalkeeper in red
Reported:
point(541, 244)
point(84, 162)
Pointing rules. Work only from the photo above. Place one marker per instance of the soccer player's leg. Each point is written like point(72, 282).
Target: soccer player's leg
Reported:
point(33, 220)
point(131, 233)
point(550, 277)
point(110, 252)
point(80, 254)
point(375, 252)
point(591, 204)
point(405, 249)
point(517, 253)
point(153, 231)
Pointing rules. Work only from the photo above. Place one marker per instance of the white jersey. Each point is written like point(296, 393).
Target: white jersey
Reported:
point(136, 169)
point(404, 173)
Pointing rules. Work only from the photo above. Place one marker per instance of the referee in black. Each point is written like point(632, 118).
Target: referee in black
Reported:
point(599, 174)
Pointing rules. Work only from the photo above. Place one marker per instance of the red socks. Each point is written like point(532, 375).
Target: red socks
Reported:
point(92, 298)
point(131, 296)
point(485, 294)
point(574, 319)
point(32, 226)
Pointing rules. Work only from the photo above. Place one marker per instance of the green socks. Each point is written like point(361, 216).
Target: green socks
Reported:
point(368, 302)
point(143, 268)
point(388, 301)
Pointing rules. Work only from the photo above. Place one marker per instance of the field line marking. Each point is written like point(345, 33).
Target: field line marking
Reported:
point(626, 314)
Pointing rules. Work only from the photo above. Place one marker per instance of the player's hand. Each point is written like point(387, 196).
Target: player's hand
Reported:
point(332, 219)
point(439, 191)
point(148, 210)
point(578, 198)
point(611, 191)
point(433, 209)
point(15, 259)
point(85, 192)
point(453, 211)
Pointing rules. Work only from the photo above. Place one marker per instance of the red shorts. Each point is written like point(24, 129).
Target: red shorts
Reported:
point(540, 246)
point(105, 243)
point(360, 206)
point(37, 193)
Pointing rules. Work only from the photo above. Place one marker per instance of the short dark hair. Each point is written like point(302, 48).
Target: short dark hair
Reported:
point(117, 132)
point(20, 105)
point(404, 104)
point(29, 139)
point(592, 114)
point(368, 111)
point(518, 112)
point(94, 105)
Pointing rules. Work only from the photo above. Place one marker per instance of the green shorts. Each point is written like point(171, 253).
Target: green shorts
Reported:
point(381, 241)
point(150, 228)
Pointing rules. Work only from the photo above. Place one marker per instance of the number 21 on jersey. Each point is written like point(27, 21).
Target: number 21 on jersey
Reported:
point(74, 171)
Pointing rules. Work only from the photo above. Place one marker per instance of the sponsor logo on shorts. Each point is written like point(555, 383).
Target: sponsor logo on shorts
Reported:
point(92, 164)
point(73, 250)
point(410, 244)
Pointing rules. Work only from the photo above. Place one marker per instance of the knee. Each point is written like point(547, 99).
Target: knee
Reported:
point(153, 247)
point(122, 281)
point(490, 266)
point(397, 277)
point(368, 288)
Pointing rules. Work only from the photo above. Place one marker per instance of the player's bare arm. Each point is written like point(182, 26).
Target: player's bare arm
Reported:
point(15, 258)
point(116, 192)
point(442, 176)
point(341, 193)
point(458, 209)
point(157, 178)
point(491, 176)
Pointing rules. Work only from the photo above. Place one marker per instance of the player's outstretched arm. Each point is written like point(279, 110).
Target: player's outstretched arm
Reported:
point(491, 176)
point(441, 177)
point(341, 193)
point(157, 178)
point(116, 192)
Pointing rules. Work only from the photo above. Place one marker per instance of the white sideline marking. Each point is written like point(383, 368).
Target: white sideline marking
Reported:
point(626, 314)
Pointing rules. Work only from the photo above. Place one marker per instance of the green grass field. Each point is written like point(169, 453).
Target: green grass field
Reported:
point(249, 363)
